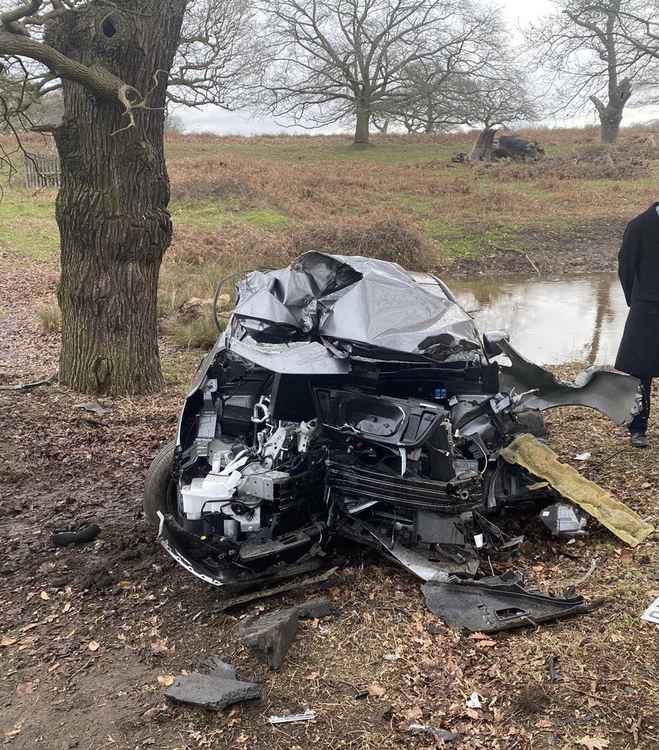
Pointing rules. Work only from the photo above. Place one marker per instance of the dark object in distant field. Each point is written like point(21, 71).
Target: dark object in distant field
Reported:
point(516, 148)
point(490, 146)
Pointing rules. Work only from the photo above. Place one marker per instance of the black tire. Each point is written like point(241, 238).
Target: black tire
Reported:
point(158, 486)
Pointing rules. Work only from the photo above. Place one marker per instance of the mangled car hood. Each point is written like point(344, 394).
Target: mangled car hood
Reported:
point(356, 299)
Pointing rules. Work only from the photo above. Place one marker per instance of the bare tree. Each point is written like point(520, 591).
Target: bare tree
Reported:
point(479, 86)
point(639, 27)
point(427, 103)
point(338, 59)
point(491, 101)
point(112, 62)
point(591, 60)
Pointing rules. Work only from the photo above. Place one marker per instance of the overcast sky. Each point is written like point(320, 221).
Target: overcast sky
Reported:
point(214, 119)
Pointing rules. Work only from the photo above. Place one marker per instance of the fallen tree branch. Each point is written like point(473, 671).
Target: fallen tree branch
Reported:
point(28, 386)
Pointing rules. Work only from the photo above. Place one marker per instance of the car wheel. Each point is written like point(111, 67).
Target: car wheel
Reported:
point(158, 486)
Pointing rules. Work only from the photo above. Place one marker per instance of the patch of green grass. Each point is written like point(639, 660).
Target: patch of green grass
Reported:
point(264, 218)
point(193, 334)
point(394, 154)
point(27, 223)
point(310, 150)
point(421, 206)
point(454, 241)
point(211, 214)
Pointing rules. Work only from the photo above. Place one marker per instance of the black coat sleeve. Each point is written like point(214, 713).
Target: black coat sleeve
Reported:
point(628, 259)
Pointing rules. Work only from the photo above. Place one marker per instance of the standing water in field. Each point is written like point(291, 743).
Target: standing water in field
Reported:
point(550, 321)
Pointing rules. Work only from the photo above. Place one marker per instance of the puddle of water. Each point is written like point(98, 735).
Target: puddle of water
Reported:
point(550, 321)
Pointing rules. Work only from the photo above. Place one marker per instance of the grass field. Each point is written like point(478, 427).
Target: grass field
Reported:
point(238, 203)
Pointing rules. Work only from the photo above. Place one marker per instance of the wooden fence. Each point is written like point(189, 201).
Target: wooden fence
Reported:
point(42, 170)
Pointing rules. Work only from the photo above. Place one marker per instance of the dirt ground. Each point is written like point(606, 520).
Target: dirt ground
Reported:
point(89, 634)
point(591, 247)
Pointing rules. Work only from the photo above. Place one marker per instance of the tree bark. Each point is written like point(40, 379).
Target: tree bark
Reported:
point(610, 114)
point(482, 149)
point(362, 128)
point(112, 206)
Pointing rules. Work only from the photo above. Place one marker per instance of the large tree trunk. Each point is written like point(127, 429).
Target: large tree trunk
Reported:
point(610, 127)
point(482, 149)
point(610, 114)
point(112, 207)
point(362, 128)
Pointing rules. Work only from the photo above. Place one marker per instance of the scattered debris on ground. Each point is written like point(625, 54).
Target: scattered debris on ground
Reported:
point(214, 689)
point(82, 534)
point(146, 618)
point(271, 635)
point(293, 718)
point(497, 603)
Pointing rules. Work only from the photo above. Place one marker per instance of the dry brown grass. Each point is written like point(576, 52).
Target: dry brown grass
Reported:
point(50, 318)
point(240, 203)
point(389, 239)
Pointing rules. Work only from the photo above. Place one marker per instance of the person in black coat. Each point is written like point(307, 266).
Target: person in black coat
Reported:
point(638, 269)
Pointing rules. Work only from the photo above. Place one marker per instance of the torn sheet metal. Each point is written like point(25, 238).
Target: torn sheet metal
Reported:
point(293, 358)
point(610, 392)
point(538, 459)
point(497, 603)
point(355, 299)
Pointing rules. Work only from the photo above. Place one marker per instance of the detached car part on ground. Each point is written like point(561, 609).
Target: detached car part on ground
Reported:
point(349, 398)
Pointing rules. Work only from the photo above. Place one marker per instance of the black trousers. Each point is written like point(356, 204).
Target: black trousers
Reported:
point(640, 421)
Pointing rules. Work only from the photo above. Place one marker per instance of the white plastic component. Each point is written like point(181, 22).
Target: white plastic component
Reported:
point(304, 434)
point(651, 614)
point(209, 494)
point(275, 445)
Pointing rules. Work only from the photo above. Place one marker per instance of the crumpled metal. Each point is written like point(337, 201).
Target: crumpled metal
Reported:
point(354, 299)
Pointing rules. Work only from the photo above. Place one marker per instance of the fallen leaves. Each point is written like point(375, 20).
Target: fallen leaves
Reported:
point(7, 640)
point(160, 647)
point(25, 688)
point(593, 743)
point(93, 645)
point(44, 595)
point(375, 690)
point(166, 680)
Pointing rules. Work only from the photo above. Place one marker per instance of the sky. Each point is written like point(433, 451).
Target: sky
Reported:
point(213, 119)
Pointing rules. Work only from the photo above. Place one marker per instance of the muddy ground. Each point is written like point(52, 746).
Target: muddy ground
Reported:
point(89, 634)
point(591, 247)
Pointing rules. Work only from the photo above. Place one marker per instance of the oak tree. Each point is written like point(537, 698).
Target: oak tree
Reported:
point(115, 62)
point(334, 60)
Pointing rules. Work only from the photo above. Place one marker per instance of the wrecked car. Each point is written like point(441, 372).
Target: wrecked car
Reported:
point(348, 398)
point(516, 148)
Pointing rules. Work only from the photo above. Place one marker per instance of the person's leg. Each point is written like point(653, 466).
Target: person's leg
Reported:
point(639, 424)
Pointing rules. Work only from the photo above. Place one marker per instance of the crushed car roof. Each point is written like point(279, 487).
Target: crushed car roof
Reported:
point(372, 302)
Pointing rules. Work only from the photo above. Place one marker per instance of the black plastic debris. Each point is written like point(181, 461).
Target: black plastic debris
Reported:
point(316, 608)
point(80, 535)
point(497, 603)
point(214, 689)
point(270, 636)
point(552, 668)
